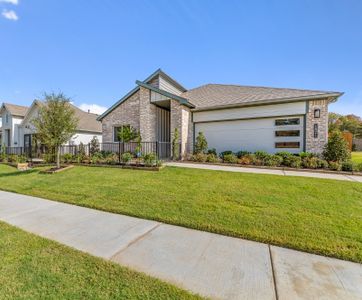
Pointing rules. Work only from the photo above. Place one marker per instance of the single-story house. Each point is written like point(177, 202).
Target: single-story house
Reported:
point(232, 117)
point(18, 130)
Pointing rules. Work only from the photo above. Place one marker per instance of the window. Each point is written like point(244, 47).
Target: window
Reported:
point(287, 145)
point(287, 133)
point(7, 118)
point(315, 131)
point(117, 130)
point(317, 113)
point(293, 121)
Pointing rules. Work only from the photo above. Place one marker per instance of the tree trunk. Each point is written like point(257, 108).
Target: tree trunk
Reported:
point(58, 157)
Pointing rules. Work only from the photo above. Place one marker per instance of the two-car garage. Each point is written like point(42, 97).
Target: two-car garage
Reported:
point(269, 128)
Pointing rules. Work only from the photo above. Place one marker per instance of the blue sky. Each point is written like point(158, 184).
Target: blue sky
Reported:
point(94, 50)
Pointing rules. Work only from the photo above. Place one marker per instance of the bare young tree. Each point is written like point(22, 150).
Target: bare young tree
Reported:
point(56, 122)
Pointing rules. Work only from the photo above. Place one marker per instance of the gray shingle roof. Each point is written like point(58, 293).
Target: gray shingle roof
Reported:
point(16, 110)
point(215, 95)
point(87, 121)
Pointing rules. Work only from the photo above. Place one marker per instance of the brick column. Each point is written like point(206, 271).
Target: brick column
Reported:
point(147, 116)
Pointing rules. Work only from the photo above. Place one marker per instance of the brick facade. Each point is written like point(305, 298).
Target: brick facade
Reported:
point(127, 113)
point(315, 144)
point(147, 116)
point(181, 118)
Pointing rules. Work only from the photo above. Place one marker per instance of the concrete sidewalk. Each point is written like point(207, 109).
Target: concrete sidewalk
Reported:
point(240, 169)
point(208, 264)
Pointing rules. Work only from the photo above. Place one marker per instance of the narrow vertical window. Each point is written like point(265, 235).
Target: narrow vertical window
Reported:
point(317, 113)
point(315, 130)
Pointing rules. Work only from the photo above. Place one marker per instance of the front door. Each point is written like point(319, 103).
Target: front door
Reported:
point(27, 141)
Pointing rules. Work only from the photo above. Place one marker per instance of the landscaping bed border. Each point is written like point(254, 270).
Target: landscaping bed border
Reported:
point(322, 171)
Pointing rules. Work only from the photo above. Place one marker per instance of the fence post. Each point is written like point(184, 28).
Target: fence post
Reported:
point(89, 152)
point(119, 151)
point(157, 152)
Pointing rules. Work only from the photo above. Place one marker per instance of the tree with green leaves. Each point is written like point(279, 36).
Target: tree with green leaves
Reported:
point(94, 146)
point(127, 133)
point(201, 143)
point(337, 148)
point(56, 122)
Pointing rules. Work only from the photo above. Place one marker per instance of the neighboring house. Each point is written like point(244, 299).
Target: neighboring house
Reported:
point(232, 117)
point(18, 130)
point(12, 115)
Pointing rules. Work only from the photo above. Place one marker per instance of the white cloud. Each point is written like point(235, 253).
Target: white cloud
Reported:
point(15, 2)
point(10, 15)
point(93, 108)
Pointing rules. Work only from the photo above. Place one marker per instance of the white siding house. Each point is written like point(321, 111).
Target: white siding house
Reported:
point(18, 130)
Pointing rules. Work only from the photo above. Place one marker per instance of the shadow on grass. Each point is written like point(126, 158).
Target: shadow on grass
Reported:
point(18, 173)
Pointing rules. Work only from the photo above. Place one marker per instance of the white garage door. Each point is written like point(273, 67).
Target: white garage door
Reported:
point(251, 135)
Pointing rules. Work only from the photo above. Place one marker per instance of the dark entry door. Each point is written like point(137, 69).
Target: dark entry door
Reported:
point(27, 141)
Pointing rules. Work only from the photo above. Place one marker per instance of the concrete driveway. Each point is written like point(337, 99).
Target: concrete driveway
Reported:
point(211, 265)
point(240, 169)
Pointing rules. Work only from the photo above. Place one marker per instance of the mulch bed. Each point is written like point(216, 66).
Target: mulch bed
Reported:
point(56, 170)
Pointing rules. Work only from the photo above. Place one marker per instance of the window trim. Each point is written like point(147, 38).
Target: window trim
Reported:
point(286, 145)
point(286, 122)
point(315, 130)
point(297, 131)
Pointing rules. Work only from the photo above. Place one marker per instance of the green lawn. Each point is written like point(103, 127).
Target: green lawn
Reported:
point(357, 157)
point(315, 215)
point(36, 268)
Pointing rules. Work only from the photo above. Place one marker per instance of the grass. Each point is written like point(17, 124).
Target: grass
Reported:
point(357, 157)
point(314, 215)
point(36, 268)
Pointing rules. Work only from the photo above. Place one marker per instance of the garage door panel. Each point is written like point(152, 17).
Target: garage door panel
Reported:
point(248, 135)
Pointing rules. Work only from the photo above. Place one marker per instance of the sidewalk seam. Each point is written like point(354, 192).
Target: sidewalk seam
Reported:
point(273, 273)
point(137, 239)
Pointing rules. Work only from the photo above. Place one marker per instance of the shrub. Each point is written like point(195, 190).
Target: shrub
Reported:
point(322, 164)
point(261, 155)
point(349, 166)
point(212, 151)
point(230, 158)
point(175, 145)
point(67, 158)
point(284, 154)
point(150, 159)
point(94, 146)
point(247, 159)
point(359, 167)
point(126, 157)
point(199, 157)
point(227, 152)
point(212, 158)
point(337, 148)
point(273, 160)
point(96, 158)
point(293, 161)
point(81, 156)
point(3, 153)
point(306, 155)
point(49, 157)
point(111, 158)
point(310, 162)
point(336, 166)
point(240, 154)
point(201, 143)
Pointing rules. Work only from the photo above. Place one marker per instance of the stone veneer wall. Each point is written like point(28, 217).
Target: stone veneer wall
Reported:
point(316, 145)
point(126, 113)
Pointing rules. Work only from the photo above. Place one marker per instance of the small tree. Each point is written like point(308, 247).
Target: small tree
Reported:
point(175, 145)
point(201, 143)
point(94, 145)
point(337, 148)
point(127, 134)
point(56, 122)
